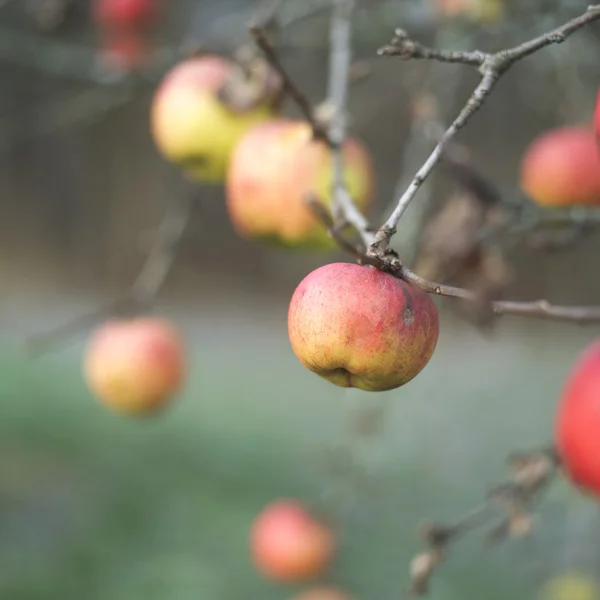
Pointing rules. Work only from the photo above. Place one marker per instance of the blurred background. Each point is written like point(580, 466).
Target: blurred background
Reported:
point(110, 508)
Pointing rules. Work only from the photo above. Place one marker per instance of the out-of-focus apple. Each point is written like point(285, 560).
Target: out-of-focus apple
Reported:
point(481, 11)
point(124, 13)
point(357, 326)
point(597, 119)
point(322, 593)
point(577, 427)
point(570, 585)
point(562, 167)
point(288, 543)
point(191, 125)
point(273, 168)
point(136, 365)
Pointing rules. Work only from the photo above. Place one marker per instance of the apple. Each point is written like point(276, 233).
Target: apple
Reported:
point(357, 326)
point(322, 593)
point(192, 127)
point(288, 544)
point(124, 13)
point(134, 365)
point(562, 167)
point(273, 168)
point(577, 425)
point(570, 585)
point(481, 11)
point(597, 119)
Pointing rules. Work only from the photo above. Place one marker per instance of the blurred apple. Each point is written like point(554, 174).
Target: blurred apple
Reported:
point(124, 13)
point(562, 167)
point(597, 119)
point(357, 326)
point(570, 585)
point(136, 365)
point(481, 11)
point(192, 126)
point(288, 543)
point(273, 168)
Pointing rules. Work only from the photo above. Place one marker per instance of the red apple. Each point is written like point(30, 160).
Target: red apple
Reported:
point(481, 11)
point(273, 168)
point(359, 327)
point(134, 366)
point(124, 13)
point(192, 127)
point(288, 543)
point(597, 119)
point(322, 593)
point(577, 428)
point(562, 167)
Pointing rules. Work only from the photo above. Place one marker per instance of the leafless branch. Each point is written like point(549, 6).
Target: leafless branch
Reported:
point(262, 41)
point(143, 290)
point(509, 503)
point(491, 66)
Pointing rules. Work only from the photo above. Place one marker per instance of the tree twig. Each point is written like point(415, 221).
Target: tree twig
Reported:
point(262, 41)
point(144, 288)
point(510, 502)
point(491, 66)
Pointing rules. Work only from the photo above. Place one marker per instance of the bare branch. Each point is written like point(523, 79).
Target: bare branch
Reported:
point(143, 290)
point(491, 67)
point(262, 41)
point(510, 503)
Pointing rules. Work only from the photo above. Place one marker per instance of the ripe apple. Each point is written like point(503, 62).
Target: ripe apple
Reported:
point(288, 543)
point(322, 593)
point(562, 167)
point(577, 427)
point(124, 13)
point(481, 11)
point(570, 585)
point(357, 326)
point(136, 365)
point(192, 127)
point(273, 168)
point(597, 119)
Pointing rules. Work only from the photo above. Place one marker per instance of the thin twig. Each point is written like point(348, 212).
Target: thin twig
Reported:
point(511, 502)
point(262, 41)
point(491, 67)
point(145, 287)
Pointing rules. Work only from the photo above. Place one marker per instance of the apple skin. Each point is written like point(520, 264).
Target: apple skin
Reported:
point(562, 167)
point(135, 366)
point(359, 327)
point(288, 544)
point(577, 424)
point(124, 13)
point(481, 11)
point(322, 593)
point(274, 166)
point(191, 127)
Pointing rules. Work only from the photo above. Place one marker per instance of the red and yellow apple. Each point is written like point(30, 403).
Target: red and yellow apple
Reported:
point(192, 127)
point(481, 11)
point(124, 13)
point(322, 593)
point(288, 543)
point(562, 167)
point(577, 426)
point(357, 326)
point(135, 365)
point(597, 119)
point(274, 167)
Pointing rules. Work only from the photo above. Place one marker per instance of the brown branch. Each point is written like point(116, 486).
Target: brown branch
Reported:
point(262, 41)
point(510, 503)
point(144, 289)
point(491, 67)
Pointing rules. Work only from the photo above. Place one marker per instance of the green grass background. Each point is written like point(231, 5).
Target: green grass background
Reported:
point(98, 506)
